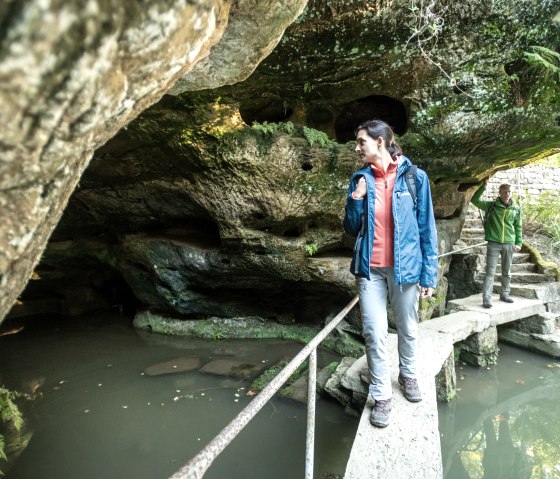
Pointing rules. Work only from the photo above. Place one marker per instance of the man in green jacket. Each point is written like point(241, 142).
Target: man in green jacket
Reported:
point(502, 231)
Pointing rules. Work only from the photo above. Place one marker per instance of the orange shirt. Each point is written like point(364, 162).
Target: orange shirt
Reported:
point(383, 251)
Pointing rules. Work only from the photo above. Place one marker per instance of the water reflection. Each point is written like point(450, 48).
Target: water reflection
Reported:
point(101, 416)
point(506, 420)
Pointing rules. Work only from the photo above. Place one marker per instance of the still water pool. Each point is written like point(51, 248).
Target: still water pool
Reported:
point(505, 421)
point(100, 416)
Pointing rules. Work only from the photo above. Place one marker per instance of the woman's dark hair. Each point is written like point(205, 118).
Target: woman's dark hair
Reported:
point(377, 128)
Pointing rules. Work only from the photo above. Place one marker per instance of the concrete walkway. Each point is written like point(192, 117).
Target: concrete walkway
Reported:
point(410, 446)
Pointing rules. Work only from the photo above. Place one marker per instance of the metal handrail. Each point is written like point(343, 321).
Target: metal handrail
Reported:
point(461, 249)
point(199, 464)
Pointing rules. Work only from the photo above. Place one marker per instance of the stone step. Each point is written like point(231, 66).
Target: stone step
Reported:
point(465, 242)
point(523, 267)
point(544, 291)
point(519, 258)
point(473, 232)
point(525, 277)
point(473, 220)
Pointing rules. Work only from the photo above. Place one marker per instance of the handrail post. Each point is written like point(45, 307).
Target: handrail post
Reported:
point(197, 466)
point(311, 397)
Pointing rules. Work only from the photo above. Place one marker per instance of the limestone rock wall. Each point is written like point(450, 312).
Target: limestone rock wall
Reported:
point(73, 74)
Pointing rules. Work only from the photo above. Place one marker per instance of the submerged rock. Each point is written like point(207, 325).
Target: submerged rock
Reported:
point(178, 365)
point(232, 367)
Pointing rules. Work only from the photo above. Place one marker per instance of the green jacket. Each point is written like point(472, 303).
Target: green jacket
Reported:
point(504, 223)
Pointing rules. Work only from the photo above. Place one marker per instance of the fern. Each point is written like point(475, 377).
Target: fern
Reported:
point(316, 137)
point(9, 412)
point(269, 128)
point(288, 127)
point(8, 409)
point(311, 249)
point(265, 127)
point(544, 59)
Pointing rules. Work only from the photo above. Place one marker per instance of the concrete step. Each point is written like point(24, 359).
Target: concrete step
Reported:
point(413, 427)
point(501, 312)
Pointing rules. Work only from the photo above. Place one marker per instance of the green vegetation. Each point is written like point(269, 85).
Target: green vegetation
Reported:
point(262, 381)
point(246, 328)
point(313, 136)
point(316, 137)
point(267, 128)
point(9, 413)
point(545, 60)
point(543, 266)
point(311, 249)
point(543, 216)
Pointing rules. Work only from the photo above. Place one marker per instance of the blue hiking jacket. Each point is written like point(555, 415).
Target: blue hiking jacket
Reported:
point(416, 244)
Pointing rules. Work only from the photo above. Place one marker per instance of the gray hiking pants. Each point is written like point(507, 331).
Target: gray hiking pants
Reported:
point(373, 306)
point(493, 252)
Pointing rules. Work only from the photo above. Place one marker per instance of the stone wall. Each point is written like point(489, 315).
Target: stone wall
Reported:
point(527, 182)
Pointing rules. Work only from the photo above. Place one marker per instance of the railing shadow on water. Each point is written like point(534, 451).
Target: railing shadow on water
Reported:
point(199, 464)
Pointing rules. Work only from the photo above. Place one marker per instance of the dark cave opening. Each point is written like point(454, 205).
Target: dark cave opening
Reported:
point(371, 107)
point(273, 112)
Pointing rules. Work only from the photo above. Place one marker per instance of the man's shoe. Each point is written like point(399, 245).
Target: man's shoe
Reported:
point(380, 413)
point(506, 299)
point(410, 389)
point(486, 304)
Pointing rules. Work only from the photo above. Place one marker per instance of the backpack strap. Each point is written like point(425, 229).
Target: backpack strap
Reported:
point(410, 178)
point(488, 213)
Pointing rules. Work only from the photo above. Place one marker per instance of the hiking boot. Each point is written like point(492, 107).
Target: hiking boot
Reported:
point(506, 299)
point(486, 304)
point(410, 389)
point(380, 413)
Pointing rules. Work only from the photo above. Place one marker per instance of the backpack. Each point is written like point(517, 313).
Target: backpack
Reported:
point(487, 215)
point(410, 179)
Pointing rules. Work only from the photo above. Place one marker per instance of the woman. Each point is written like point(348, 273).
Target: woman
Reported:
point(395, 255)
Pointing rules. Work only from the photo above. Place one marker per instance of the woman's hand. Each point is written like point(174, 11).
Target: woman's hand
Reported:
point(426, 292)
point(361, 189)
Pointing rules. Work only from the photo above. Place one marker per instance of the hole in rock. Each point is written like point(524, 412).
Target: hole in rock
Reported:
point(335, 253)
point(292, 233)
point(200, 233)
point(306, 166)
point(372, 107)
point(272, 112)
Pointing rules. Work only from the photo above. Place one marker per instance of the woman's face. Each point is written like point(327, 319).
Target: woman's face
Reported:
point(368, 149)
